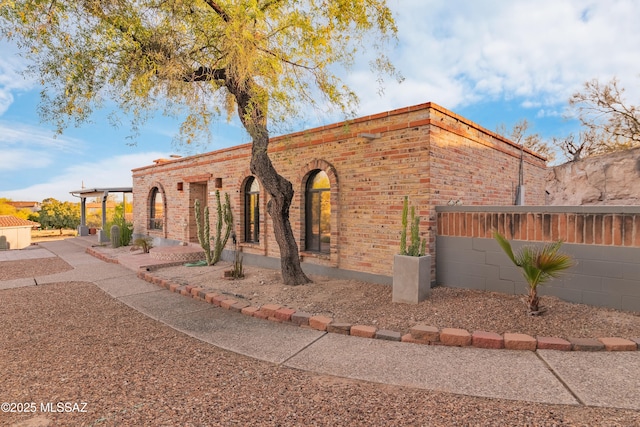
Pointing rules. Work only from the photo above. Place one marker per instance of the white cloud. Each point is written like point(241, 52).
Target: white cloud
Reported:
point(20, 134)
point(26, 147)
point(108, 172)
point(11, 65)
point(456, 52)
point(20, 159)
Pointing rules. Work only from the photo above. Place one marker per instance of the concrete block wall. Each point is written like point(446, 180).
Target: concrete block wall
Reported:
point(606, 273)
point(410, 152)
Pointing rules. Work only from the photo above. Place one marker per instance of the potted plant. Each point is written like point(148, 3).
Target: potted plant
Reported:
point(412, 267)
point(538, 264)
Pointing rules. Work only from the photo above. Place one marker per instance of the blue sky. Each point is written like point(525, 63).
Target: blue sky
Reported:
point(491, 61)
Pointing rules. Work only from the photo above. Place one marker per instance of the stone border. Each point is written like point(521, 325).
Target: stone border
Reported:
point(419, 334)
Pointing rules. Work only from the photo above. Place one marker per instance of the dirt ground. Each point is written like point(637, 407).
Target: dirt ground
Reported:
point(49, 235)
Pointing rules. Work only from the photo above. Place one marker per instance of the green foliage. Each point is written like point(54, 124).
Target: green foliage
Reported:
point(418, 247)
point(225, 217)
point(538, 265)
point(125, 228)
point(183, 57)
point(58, 215)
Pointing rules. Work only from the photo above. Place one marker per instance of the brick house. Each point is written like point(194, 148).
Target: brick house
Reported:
point(350, 179)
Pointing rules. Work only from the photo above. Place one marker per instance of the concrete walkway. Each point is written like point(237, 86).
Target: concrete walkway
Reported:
point(607, 379)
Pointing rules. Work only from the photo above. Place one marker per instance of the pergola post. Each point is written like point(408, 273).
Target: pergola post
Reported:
point(102, 236)
point(83, 230)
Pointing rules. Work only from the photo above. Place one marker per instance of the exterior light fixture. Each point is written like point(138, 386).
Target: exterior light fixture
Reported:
point(369, 135)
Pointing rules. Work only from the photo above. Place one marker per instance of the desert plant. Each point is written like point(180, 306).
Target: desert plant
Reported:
point(418, 247)
point(144, 243)
point(237, 272)
point(116, 240)
point(125, 228)
point(225, 216)
point(539, 264)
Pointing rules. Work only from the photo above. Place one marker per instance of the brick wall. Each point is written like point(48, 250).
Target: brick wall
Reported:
point(425, 152)
point(603, 240)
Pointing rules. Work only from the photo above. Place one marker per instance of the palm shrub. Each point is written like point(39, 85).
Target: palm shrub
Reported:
point(417, 247)
point(539, 264)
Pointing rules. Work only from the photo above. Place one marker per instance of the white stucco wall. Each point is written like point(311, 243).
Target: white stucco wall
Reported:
point(17, 237)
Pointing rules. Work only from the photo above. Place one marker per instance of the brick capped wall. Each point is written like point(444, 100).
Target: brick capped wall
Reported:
point(609, 226)
point(425, 152)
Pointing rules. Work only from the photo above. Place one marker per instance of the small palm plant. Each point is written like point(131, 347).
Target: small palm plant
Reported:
point(538, 264)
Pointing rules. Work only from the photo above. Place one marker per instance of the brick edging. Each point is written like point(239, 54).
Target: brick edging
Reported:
point(101, 256)
point(419, 334)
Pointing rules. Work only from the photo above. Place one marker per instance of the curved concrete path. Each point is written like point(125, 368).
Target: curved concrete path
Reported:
point(607, 379)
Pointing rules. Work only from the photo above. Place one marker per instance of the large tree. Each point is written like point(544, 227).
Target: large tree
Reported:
point(269, 60)
point(612, 123)
point(56, 214)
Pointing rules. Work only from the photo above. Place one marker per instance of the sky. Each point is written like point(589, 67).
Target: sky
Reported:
point(494, 62)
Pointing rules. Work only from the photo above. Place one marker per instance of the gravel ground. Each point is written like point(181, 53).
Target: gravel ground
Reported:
point(32, 268)
point(369, 304)
point(71, 342)
point(362, 303)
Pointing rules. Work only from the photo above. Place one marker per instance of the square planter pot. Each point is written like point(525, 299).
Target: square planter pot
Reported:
point(411, 278)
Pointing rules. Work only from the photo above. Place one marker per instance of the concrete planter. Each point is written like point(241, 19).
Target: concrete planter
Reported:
point(411, 278)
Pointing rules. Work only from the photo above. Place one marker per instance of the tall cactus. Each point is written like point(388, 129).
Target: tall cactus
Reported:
point(203, 230)
point(418, 247)
point(225, 216)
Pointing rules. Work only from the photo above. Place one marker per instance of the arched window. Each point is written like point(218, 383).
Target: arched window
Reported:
point(252, 211)
point(156, 209)
point(318, 213)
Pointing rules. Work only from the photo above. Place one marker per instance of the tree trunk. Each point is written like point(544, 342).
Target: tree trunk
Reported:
point(278, 187)
point(533, 300)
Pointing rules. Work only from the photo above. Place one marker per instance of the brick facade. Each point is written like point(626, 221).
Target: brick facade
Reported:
point(425, 152)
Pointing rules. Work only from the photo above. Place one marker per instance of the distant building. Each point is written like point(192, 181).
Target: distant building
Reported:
point(32, 206)
point(16, 231)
